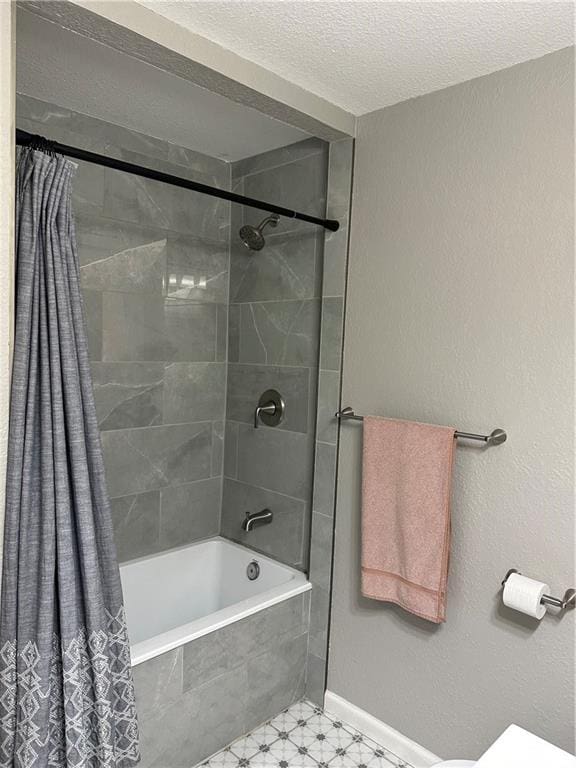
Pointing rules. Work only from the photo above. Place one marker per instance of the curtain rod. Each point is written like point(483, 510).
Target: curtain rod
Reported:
point(39, 142)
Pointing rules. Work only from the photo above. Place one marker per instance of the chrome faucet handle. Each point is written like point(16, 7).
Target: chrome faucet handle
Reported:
point(268, 408)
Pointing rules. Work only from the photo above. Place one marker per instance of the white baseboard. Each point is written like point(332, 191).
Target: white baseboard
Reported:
point(381, 733)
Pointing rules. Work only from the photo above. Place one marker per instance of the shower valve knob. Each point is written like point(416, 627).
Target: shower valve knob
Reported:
point(270, 409)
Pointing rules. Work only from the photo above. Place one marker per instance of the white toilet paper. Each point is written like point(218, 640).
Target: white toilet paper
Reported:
point(524, 595)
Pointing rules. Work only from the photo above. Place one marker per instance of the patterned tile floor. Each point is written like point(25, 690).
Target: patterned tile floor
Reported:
point(304, 736)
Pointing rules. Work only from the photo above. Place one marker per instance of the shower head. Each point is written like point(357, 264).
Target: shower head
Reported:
point(253, 237)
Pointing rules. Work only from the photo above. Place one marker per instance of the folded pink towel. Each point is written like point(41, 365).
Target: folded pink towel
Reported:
point(407, 469)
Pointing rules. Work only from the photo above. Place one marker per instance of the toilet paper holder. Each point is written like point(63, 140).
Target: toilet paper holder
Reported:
point(569, 600)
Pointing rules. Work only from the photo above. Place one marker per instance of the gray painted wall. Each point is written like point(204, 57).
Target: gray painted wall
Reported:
point(154, 271)
point(459, 312)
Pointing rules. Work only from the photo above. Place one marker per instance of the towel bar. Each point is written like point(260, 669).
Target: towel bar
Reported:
point(496, 437)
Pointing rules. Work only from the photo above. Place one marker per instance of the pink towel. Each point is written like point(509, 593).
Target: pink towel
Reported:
point(407, 469)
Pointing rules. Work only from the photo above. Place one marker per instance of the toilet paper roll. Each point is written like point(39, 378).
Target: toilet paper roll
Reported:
point(524, 595)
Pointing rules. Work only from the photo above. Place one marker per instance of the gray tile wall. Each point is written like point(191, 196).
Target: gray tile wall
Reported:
point(274, 342)
point(171, 296)
point(155, 274)
point(196, 699)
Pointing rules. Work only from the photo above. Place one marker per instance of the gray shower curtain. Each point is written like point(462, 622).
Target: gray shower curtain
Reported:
point(66, 692)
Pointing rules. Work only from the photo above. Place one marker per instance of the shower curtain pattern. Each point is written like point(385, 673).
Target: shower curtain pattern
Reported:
point(66, 690)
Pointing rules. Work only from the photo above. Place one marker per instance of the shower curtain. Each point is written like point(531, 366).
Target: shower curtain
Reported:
point(66, 692)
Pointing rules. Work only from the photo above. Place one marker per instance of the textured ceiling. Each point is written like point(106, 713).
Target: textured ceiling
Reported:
point(366, 55)
point(98, 81)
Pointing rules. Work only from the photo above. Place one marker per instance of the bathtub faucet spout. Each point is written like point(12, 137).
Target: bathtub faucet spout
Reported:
point(256, 518)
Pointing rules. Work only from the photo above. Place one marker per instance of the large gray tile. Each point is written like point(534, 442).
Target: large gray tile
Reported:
point(300, 185)
point(324, 478)
point(281, 622)
point(128, 394)
point(280, 156)
point(59, 118)
point(66, 126)
point(315, 680)
point(278, 460)
point(139, 269)
point(276, 679)
point(328, 403)
point(220, 718)
point(145, 459)
point(335, 261)
point(190, 331)
point(147, 327)
point(234, 333)
point(331, 336)
point(157, 683)
point(319, 260)
point(283, 538)
point(197, 270)
point(169, 159)
point(217, 448)
point(221, 332)
point(319, 614)
point(141, 327)
point(133, 327)
point(132, 144)
point(212, 655)
point(190, 512)
point(198, 724)
point(123, 143)
point(283, 269)
point(340, 166)
point(246, 383)
point(194, 392)
point(131, 198)
point(280, 333)
point(88, 188)
point(237, 211)
point(152, 203)
point(231, 450)
point(313, 401)
point(93, 311)
point(321, 550)
point(217, 171)
point(221, 651)
point(100, 239)
point(136, 521)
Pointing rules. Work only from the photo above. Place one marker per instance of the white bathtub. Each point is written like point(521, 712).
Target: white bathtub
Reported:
point(177, 596)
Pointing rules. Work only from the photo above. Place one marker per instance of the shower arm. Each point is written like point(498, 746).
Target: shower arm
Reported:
point(269, 221)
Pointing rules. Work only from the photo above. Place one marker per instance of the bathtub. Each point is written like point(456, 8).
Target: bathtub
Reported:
point(175, 597)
